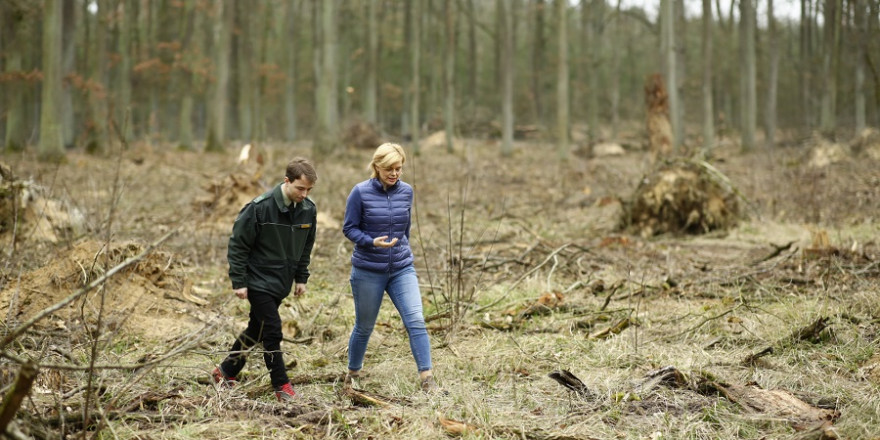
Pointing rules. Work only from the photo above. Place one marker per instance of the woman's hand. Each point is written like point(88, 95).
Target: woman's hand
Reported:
point(381, 242)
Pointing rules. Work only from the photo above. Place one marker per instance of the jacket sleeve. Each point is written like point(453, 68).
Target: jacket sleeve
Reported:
point(244, 232)
point(351, 225)
point(302, 268)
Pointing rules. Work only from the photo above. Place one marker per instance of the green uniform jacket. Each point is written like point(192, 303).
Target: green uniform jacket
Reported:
point(270, 246)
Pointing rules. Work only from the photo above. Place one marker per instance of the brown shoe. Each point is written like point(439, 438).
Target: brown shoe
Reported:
point(352, 380)
point(429, 385)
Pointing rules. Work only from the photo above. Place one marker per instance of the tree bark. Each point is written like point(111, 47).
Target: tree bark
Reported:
point(51, 141)
point(830, 37)
point(327, 106)
point(748, 95)
point(505, 17)
point(670, 69)
point(372, 61)
point(449, 74)
point(216, 131)
point(15, 27)
point(538, 59)
point(290, 71)
point(772, 78)
point(708, 109)
point(562, 104)
point(415, 72)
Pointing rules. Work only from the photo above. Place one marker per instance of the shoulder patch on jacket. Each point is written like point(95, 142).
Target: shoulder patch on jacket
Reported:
point(260, 198)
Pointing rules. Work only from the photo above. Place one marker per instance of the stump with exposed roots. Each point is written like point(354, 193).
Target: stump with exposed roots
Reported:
point(683, 197)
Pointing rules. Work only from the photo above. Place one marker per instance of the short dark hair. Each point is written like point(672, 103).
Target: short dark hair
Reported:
point(301, 167)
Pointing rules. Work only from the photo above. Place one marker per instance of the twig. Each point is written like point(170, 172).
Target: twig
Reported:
point(12, 400)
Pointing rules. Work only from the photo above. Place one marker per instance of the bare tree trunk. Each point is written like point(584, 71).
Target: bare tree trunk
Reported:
point(772, 78)
point(562, 104)
point(216, 133)
point(372, 60)
point(749, 97)
point(473, 92)
point(505, 18)
point(805, 63)
point(415, 41)
point(669, 68)
point(616, 49)
point(708, 109)
point(184, 76)
point(828, 110)
point(15, 26)
point(68, 67)
point(51, 142)
point(125, 27)
point(326, 100)
point(245, 55)
point(290, 65)
point(591, 18)
point(861, 37)
point(449, 75)
point(538, 59)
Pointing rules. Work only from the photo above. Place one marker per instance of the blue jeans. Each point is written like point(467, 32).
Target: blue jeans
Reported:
point(368, 288)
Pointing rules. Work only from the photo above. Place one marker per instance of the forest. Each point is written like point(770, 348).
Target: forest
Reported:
point(632, 220)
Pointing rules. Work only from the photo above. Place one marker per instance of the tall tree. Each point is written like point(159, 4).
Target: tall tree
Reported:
point(667, 25)
point(616, 47)
point(415, 40)
point(15, 26)
point(748, 89)
point(125, 27)
point(505, 18)
point(290, 44)
point(372, 61)
point(216, 130)
point(246, 56)
point(772, 77)
point(830, 61)
point(592, 16)
point(449, 73)
point(708, 109)
point(68, 68)
point(191, 21)
point(861, 35)
point(326, 100)
point(51, 141)
point(538, 49)
point(562, 104)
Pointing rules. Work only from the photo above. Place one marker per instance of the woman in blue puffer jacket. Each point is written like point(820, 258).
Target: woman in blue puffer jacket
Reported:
point(377, 220)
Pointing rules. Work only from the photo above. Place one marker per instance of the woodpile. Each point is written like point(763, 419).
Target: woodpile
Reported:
point(682, 197)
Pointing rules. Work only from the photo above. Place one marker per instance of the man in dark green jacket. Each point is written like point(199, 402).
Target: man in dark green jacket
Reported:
point(270, 250)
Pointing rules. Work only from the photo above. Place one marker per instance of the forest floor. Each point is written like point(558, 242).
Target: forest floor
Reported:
point(769, 329)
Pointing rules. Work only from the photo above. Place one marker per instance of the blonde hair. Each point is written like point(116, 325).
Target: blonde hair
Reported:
point(386, 155)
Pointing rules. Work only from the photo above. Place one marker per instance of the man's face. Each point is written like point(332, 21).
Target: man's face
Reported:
point(297, 190)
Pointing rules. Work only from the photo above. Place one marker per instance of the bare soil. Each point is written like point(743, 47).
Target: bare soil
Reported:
point(526, 268)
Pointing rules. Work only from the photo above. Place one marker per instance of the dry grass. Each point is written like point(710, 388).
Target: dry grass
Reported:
point(492, 237)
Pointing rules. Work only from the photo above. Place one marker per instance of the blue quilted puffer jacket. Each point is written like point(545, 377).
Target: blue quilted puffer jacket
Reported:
point(372, 212)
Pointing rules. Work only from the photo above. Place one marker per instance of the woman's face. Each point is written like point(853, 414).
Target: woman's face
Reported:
point(389, 176)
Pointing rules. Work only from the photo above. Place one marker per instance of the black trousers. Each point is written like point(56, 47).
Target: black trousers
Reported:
point(264, 326)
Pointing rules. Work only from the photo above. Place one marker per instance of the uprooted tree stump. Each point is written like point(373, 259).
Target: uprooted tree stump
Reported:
point(29, 214)
point(682, 197)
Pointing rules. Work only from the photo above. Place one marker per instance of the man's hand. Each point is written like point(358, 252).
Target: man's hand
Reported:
point(300, 289)
point(381, 242)
point(241, 293)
